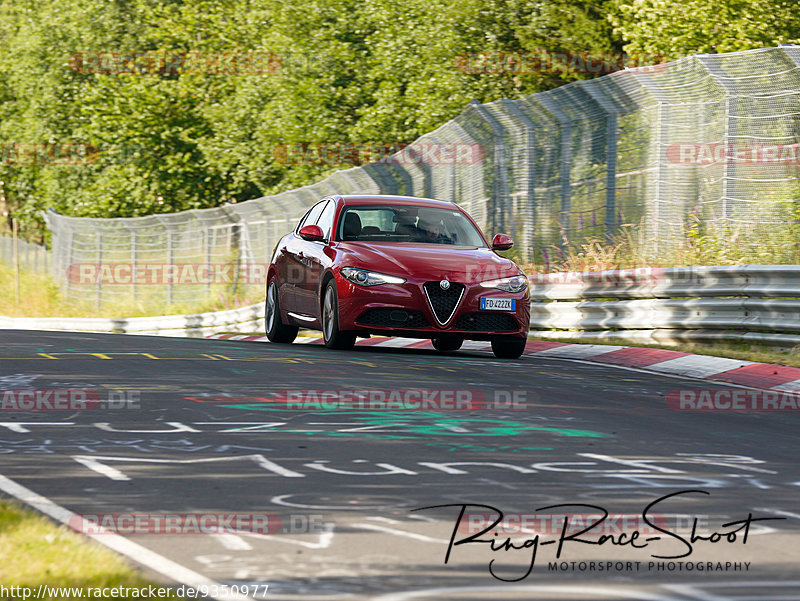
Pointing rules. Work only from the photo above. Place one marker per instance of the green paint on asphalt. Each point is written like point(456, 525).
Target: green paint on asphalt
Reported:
point(435, 424)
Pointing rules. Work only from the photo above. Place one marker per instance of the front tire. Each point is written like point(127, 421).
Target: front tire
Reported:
point(276, 330)
point(447, 343)
point(508, 347)
point(333, 336)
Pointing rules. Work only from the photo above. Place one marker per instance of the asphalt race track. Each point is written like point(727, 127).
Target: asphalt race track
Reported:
point(202, 435)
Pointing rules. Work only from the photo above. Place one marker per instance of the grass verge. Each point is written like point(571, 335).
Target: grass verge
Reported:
point(40, 296)
point(35, 551)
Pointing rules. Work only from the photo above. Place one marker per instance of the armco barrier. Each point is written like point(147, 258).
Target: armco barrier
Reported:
point(661, 305)
point(751, 302)
point(243, 319)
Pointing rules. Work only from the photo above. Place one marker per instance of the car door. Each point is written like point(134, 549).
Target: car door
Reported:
point(293, 269)
point(315, 261)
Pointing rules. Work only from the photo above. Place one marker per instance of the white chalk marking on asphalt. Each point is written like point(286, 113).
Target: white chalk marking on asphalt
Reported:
point(590, 591)
point(323, 541)
point(115, 542)
point(780, 512)
point(20, 428)
point(233, 542)
point(93, 462)
point(413, 535)
point(642, 465)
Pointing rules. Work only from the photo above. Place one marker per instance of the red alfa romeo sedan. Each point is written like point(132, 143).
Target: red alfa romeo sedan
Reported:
point(396, 266)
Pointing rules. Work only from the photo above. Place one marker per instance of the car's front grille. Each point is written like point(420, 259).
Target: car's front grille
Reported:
point(486, 322)
point(386, 317)
point(443, 302)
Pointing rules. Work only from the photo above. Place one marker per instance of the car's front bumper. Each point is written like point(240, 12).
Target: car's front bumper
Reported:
point(405, 310)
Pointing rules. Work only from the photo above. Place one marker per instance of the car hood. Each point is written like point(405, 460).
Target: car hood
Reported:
point(466, 264)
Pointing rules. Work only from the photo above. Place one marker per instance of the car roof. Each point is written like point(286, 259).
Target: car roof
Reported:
point(379, 199)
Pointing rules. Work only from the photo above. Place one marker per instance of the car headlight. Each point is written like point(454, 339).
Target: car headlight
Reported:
point(517, 283)
point(363, 277)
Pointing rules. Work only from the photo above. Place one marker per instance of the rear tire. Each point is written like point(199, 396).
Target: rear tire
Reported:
point(333, 336)
point(508, 347)
point(447, 342)
point(276, 330)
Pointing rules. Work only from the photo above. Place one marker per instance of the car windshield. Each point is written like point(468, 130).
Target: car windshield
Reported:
point(407, 223)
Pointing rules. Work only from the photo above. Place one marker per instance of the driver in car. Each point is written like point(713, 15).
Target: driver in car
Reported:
point(432, 231)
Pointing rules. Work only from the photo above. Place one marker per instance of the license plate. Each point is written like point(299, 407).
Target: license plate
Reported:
point(490, 303)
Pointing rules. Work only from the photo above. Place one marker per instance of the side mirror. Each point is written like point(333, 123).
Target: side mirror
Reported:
point(502, 242)
point(312, 233)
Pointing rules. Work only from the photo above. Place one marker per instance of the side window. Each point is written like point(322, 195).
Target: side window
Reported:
point(325, 220)
point(311, 217)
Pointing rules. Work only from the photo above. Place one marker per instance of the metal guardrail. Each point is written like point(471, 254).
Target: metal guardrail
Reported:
point(243, 319)
point(742, 302)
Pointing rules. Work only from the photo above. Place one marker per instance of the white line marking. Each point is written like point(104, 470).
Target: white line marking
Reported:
point(792, 386)
point(699, 366)
point(475, 345)
point(397, 342)
point(323, 542)
point(115, 542)
point(580, 351)
point(414, 535)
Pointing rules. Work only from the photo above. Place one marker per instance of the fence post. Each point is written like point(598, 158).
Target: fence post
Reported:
point(15, 234)
point(170, 267)
point(612, 135)
point(500, 187)
point(662, 185)
point(99, 285)
point(134, 262)
point(565, 129)
point(731, 109)
point(529, 160)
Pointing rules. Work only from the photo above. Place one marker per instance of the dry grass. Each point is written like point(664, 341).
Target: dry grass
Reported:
point(40, 297)
point(34, 551)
